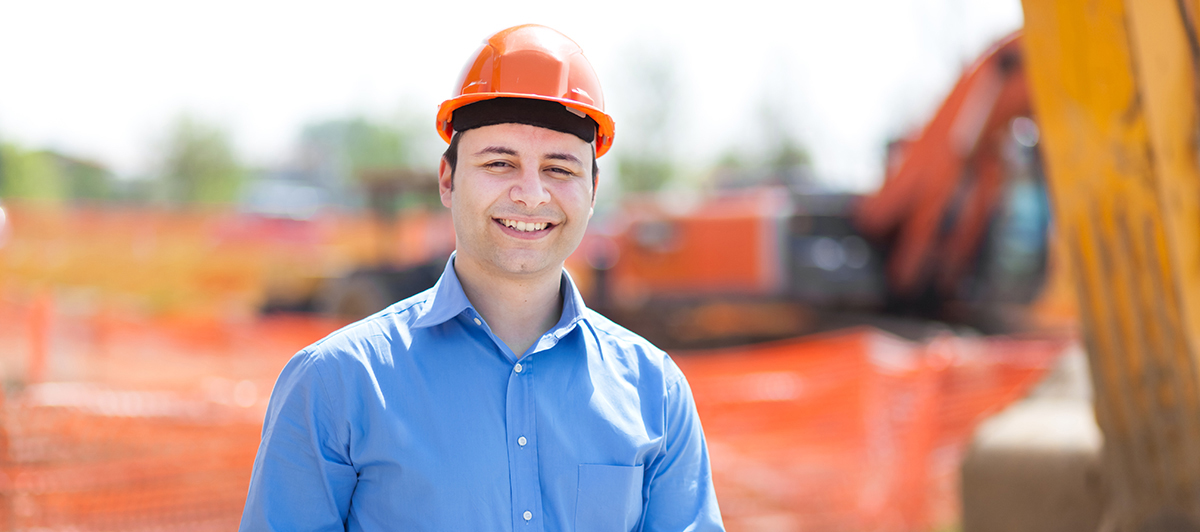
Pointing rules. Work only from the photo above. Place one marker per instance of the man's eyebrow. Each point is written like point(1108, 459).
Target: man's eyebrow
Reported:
point(497, 150)
point(563, 157)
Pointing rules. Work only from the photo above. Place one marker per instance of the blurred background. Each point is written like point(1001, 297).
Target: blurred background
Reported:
point(190, 193)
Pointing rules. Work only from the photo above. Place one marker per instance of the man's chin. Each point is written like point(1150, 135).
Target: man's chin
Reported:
point(526, 266)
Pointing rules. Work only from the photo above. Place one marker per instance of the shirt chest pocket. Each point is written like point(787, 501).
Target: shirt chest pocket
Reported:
point(609, 499)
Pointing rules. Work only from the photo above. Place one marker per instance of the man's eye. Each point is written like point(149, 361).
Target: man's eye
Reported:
point(561, 171)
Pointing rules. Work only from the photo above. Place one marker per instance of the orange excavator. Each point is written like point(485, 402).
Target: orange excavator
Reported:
point(966, 188)
point(957, 234)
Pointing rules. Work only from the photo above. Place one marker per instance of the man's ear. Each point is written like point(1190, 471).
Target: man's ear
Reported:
point(595, 183)
point(592, 208)
point(445, 181)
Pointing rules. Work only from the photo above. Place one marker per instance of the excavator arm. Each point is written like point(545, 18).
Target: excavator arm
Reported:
point(935, 209)
point(1114, 86)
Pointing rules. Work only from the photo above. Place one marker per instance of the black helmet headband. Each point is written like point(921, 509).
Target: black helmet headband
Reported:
point(540, 113)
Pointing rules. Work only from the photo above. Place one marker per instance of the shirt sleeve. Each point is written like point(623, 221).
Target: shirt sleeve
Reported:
point(302, 477)
point(680, 495)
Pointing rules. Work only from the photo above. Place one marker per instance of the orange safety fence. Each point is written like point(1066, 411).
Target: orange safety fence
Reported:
point(141, 424)
point(853, 430)
point(152, 423)
point(82, 457)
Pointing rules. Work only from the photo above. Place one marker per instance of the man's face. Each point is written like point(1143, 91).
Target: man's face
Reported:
point(521, 198)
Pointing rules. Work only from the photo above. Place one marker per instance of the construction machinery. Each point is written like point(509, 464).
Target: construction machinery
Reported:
point(958, 234)
point(1115, 85)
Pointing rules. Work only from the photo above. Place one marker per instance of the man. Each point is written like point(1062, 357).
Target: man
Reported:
point(495, 400)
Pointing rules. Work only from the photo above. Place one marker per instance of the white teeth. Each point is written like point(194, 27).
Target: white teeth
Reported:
point(525, 226)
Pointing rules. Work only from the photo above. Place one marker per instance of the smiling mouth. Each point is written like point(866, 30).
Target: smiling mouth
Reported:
point(524, 227)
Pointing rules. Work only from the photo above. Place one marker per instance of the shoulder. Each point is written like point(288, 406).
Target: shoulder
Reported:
point(350, 360)
point(631, 348)
point(370, 339)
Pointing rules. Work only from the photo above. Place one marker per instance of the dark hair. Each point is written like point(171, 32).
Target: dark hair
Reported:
point(451, 157)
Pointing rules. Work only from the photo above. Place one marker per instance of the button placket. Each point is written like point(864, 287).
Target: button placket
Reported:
point(521, 415)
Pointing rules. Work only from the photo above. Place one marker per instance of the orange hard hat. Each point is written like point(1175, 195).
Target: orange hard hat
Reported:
point(533, 62)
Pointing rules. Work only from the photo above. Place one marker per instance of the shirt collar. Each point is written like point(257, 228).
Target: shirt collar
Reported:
point(573, 306)
point(448, 300)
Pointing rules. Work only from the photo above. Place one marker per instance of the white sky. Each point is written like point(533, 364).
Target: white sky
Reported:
point(103, 79)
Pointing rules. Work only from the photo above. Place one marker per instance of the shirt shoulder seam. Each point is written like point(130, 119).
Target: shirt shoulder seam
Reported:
point(389, 311)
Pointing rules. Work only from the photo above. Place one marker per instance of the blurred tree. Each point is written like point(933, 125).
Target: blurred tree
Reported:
point(373, 163)
point(139, 190)
point(651, 89)
point(786, 159)
point(733, 169)
point(199, 164)
point(360, 142)
point(30, 175)
point(85, 180)
point(777, 155)
point(381, 159)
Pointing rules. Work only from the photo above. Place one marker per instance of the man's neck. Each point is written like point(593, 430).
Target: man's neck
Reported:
point(519, 310)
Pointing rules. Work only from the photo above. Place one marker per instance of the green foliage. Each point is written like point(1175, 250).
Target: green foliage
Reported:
point(85, 180)
point(788, 154)
point(374, 145)
point(360, 143)
point(775, 155)
point(643, 173)
point(382, 159)
point(30, 175)
point(139, 191)
point(199, 164)
point(651, 83)
point(45, 175)
point(785, 157)
point(732, 159)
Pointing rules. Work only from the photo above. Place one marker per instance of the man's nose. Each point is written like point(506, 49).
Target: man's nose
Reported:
point(529, 189)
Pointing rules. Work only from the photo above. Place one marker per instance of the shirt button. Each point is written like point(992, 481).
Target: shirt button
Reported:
point(522, 441)
point(517, 368)
point(477, 322)
point(527, 515)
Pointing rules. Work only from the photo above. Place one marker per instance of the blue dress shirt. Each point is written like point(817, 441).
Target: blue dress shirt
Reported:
point(419, 418)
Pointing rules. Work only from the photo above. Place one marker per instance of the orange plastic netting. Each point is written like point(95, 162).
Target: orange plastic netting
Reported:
point(854, 430)
point(153, 425)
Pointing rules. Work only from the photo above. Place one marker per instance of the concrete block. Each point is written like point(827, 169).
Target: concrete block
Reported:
point(1036, 466)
